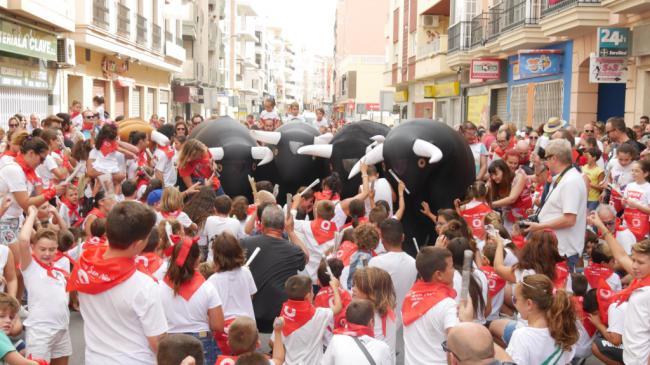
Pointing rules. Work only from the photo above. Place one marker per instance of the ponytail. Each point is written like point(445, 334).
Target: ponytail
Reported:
point(558, 306)
point(178, 275)
point(457, 246)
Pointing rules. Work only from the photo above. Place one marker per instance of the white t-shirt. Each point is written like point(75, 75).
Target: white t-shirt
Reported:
point(6, 159)
point(166, 166)
point(626, 238)
point(521, 274)
point(401, 268)
point(323, 123)
point(118, 321)
point(569, 196)
point(48, 300)
point(109, 164)
point(616, 318)
point(316, 251)
point(182, 218)
point(343, 350)
point(424, 337)
point(532, 346)
point(189, 316)
point(215, 225)
point(391, 332)
point(638, 192)
point(4, 256)
point(162, 270)
point(636, 336)
point(482, 281)
point(305, 345)
point(44, 170)
point(619, 175)
point(384, 192)
point(13, 179)
point(235, 288)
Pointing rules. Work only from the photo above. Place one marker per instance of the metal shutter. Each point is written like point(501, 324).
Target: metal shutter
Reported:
point(99, 88)
point(441, 111)
point(502, 103)
point(163, 105)
point(134, 111)
point(456, 113)
point(24, 101)
point(519, 105)
point(149, 103)
point(119, 100)
point(548, 101)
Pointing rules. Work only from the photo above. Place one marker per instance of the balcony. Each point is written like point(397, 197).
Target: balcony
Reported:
point(189, 30)
point(519, 12)
point(459, 36)
point(435, 47)
point(434, 60)
point(572, 17)
point(141, 30)
point(123, 20)
point(479, 26)
point(627, 6)
point(244, 8)
point(156, 37)
point(100, 14)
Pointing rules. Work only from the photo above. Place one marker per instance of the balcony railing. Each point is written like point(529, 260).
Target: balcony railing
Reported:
point(552, 6)
point(156, 37)
point(460, 36)
point(493, 22)
point(518, 12)
point(141, 35)
point(430, 48)
point(123, 20)
point(100, 14)
point(479, 24)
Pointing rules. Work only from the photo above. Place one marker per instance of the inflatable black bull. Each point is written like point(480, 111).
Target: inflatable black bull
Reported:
point(235, 152)
point(289, 169)
point(435, 163)
point(345, 150)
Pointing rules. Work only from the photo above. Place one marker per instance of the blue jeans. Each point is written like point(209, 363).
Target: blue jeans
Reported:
point(508, 331)
point(210, 348)
point(572, 261)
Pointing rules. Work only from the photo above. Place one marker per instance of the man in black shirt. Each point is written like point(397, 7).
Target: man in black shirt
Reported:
point(617, 134)
point(278, 259)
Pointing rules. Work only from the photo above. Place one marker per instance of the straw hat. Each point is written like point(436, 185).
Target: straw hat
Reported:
point(554, 124)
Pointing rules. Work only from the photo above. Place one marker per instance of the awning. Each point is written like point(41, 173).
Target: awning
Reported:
point(122, 81)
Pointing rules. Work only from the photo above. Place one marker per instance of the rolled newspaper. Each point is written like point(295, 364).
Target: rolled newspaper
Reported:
point(314, 183)
point(289, 204)
point(417, 247)
point(73, 174)
point(467, 265)
point(406, 190)
point(250, 259)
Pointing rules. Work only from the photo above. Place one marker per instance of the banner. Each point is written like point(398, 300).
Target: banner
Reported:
point(22, 40)
point(442, 90)
point(613, 42)
point(485, 69)
point(478, 109)
point(607, 70)
point(537, 63)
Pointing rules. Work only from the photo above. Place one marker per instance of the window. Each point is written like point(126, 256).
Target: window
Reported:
point(396, 25)
point(344, 84)
point(519, 105)
point(548, 101)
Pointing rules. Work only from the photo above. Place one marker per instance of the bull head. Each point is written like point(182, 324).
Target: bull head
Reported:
point(257, 153)
point(420, 147)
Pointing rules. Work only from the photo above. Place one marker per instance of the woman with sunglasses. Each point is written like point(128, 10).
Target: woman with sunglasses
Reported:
point(181, 128)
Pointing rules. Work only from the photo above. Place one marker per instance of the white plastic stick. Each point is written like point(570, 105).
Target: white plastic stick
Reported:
point(250, 259)
point(406, 190)
point(73, 174)
point(417, 247)
point(310, 186)
point(149, 153)
point(329, 270)
point(467, 264)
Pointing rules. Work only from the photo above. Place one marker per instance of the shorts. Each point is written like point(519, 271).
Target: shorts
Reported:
point(210, 349)
point(593, 205)
point(47, 343)
point(508, 331)
point(9, 230)
point(608, 349)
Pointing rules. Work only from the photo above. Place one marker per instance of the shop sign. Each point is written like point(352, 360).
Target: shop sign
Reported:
point(485, 69)
point(188, 94)
point(442, 90)
point(536, 63)
point(372, 107)
point(401, 96)
point(350, 106)
point(17, 76)
point(112, 69)
point(478, 109)
point(22, 40)
point(607, 70)
point(613, 42)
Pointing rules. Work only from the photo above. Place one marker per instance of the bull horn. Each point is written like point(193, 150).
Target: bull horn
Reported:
point(372, 157)
point(323, 138)
point(262, 153)
point(370, 146)
point(159, 138)
point(423, 148)
point(317, 150)
point(266, 136)
point(216, 153)
point(378, 138)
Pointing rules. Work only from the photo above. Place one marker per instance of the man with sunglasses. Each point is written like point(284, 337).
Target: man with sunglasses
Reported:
point(89, 123)
point(623, 235)
point(472, 343)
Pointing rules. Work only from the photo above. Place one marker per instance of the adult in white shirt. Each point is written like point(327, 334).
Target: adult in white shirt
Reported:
point(220, 222)
point(608, 345)
point(346, 344)
point(470, 342)
point(565, 208)
point(624, 236)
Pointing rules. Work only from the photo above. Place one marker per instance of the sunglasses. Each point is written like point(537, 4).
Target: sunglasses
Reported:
point(181, 129)
point(13, 125)
point(589, 131)
point(90, 117)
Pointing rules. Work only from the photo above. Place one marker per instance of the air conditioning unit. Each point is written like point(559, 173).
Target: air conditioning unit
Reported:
point(430, 21)
point(65, 55)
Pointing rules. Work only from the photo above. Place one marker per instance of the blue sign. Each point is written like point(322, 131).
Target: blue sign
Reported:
point(613, 42)
point(537, 63)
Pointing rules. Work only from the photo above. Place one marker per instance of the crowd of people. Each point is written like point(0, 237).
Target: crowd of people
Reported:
point(136, 233)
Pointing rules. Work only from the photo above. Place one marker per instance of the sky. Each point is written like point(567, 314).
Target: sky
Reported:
point(308, 23)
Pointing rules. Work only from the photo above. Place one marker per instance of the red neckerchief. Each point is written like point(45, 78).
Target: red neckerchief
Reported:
point(346, 250)
point(73, 209)
point(65, 160)
point(605, 297)
point(474, 217)
point(10, 153)
point(188, 288)
point(87, 126)
point(594, 272)
point(422, 297)
point(148, 262)
point(326, 195)
point(624, 295)
point(51, 268)
point(97, 213)
point(95, 241)
point(561, 275)
point(108, 147)
point(389, 314)
point(325, 299)
point(167, 150)
point(142, 158)
point(173, 214)
point(519, 241)
point(94, 274)
point(360, 220)
point(355, 330)
point(226, 360)
point(175, 239)
point(29, 171)
point(495, 282)
point(637, 222)
point(222, 338)
point(323, 230)
point(200, 167)
point(296, 313)
point(58, 255)
point(581, 316)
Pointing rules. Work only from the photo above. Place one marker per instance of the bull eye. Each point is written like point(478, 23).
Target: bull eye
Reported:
point(219, 167)
point(254, 166)
point(422, 163)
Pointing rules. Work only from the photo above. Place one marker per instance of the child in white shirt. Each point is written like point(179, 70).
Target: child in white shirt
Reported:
point(636, 200)
point(171, 206)
point(163, 159)
point(243, 339)
point(221, 222)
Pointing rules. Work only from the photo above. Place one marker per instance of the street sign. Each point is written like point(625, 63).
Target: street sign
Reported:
point(613, 42)
point(607, 70)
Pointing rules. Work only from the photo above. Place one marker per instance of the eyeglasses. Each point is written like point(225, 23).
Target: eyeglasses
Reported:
point(502, 142)
point(181, 129)
point(533, 137)
point(41, 158)
point(90, 117)
point(11, 125)
point(445, 348)
point(610, 223)
point(589, 131)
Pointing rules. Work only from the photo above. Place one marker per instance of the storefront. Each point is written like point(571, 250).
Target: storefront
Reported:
point(539, 84)
point(26, 82)
point(446, 99)
point(487, 91)
point(401, 104)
